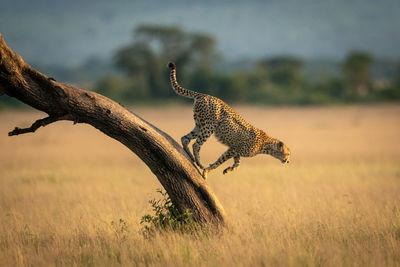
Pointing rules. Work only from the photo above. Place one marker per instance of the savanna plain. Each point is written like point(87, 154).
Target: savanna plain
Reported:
point(71, 196)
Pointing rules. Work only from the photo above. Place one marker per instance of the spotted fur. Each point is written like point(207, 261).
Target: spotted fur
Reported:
point(214, 116)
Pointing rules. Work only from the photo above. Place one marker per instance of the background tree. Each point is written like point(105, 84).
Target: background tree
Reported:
point(282, 80)
point(394, 91)
point(202, 49)
point(154, 45)
point(284, 70)
point(356, 71)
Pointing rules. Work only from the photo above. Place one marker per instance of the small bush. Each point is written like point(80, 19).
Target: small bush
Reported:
point(166, 217)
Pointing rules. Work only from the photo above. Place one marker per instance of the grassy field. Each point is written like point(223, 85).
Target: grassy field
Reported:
point(64, 189)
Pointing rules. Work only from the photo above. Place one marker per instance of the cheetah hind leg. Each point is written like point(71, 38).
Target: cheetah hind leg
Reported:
point(204, 134)
point(185, 140)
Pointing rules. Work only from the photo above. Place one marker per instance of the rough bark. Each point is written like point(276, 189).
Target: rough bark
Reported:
point(163, 155)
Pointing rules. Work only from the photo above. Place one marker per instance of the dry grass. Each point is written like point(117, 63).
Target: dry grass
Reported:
point(336, 203)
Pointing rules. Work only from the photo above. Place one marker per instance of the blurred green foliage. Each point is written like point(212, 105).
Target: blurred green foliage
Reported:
point(144, 60)
point(281, 80)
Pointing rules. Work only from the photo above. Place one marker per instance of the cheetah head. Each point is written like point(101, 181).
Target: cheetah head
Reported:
point(280, 151)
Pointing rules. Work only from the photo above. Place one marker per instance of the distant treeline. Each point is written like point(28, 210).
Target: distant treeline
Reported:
point(142, 76)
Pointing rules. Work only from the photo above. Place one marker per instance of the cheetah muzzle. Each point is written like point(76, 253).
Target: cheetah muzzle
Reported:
point(214, 116)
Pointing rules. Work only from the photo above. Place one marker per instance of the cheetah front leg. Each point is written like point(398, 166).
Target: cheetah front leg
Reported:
point(235, 165)
point(186, 140)
point(224, 157)
point(204, 134)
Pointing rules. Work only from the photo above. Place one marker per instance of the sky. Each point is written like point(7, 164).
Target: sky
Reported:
point(69, 32)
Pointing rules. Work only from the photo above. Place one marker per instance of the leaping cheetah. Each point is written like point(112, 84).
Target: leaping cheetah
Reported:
point(213, 116)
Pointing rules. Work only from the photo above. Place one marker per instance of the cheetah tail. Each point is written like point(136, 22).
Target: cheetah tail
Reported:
point(175, 85)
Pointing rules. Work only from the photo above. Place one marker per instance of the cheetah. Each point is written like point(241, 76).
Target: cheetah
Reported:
point(214, 116)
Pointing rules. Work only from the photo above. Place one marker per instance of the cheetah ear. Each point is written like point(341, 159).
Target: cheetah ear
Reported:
point(280, 144)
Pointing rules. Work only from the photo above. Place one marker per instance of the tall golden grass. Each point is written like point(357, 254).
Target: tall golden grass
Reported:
point(65, 189)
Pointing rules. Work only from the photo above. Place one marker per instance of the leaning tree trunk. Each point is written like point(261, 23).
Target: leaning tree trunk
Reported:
point(163, 155)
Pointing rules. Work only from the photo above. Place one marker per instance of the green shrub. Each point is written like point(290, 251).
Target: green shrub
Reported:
point(166, 217)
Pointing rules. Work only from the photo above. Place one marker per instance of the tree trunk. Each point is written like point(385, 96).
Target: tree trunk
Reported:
point(163, 155)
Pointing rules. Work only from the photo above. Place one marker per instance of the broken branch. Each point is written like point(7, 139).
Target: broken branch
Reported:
point(37, 124)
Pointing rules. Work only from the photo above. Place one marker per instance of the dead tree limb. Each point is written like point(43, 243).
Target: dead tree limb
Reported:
point(37, 124)
point(164, 156)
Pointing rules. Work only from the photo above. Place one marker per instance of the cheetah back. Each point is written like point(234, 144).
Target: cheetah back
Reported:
point(229, 127)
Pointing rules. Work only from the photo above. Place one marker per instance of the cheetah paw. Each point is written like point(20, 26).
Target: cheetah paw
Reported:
point(205, 171)
point(229, 169)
